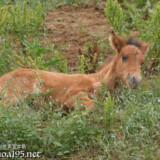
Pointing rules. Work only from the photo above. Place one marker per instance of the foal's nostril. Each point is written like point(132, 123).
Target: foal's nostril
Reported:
point(137, 80)
point(128, 76)
point(134, 80)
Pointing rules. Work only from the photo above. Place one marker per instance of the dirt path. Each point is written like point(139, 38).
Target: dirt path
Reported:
point(73, 26)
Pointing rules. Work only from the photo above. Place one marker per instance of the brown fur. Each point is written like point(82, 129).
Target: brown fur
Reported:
point(63, 89)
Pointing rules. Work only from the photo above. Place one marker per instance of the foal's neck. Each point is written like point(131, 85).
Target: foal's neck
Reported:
point(108, 74)
point(108, 68)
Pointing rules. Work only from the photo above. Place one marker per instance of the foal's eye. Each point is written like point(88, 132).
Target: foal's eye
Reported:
point(124, 58)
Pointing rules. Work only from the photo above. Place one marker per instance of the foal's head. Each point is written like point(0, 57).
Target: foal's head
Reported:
point(130, 57)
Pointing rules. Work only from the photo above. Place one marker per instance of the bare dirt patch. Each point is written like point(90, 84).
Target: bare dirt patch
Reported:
point(73, 26)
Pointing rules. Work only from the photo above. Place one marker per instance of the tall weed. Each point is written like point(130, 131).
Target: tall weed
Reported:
point(23, 21)
point(109, 112)
point(4, 12)
point(116, 16)
point(149, 31)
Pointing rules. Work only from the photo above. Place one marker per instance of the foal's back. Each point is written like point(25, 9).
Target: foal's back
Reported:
point(23, 82)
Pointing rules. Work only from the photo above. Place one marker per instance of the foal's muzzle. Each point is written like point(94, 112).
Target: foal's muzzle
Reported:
point(133, 80)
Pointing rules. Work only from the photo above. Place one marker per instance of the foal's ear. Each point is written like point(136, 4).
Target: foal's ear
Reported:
point(144, 47)
point(117, 43)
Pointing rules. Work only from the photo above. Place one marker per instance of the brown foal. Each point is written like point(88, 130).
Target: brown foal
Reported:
point(64, 89)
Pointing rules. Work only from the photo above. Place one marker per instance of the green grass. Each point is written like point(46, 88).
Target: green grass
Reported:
point(133, 133)
point(126, 124)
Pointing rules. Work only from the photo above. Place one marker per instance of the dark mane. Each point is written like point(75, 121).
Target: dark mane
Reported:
point(132, 41)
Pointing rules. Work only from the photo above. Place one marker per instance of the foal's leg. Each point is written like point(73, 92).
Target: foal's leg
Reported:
point(6, 103)
point(84, 101)
point(10, 99)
